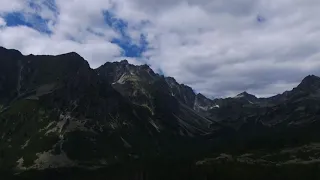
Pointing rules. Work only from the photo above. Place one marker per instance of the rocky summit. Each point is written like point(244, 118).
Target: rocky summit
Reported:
point(58, 113)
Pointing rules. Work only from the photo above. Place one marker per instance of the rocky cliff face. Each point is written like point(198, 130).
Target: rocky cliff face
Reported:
point(55, 111)
point(61, 111)
point(163, 97)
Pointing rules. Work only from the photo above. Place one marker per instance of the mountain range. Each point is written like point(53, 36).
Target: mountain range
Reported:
point(57, 112)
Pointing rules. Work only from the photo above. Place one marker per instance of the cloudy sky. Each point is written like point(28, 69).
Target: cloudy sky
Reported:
point(218, 47)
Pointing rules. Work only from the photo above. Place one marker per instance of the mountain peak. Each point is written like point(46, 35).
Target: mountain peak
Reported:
point(311, 78)
point(309, 82)
point(199, 95)
point(244, 95)
point(73, 54)
point(124, 61)
point(145, 66)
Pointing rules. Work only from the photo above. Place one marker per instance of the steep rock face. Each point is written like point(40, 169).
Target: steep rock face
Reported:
point(164, 97)
point(9, 74)
point(131, 81)
point(203, 104)
point(64, 115)
point(182, 92)
point(61, 113)
point(136, 81)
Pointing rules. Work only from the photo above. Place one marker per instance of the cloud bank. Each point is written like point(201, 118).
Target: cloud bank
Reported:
point(220, 48)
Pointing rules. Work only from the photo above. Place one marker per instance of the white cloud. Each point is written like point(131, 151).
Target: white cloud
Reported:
point(220, 48)
point(217, 47)
point(30, 41)
point(77, 26)
point(11, 5)
point(2, 22)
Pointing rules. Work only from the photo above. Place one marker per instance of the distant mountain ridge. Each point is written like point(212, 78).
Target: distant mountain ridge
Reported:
point(55, 111)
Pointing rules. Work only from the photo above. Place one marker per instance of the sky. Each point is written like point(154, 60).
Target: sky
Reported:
point(218, 47)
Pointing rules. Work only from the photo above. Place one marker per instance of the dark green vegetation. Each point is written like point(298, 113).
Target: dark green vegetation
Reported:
point(178, 171)
point(61, 119)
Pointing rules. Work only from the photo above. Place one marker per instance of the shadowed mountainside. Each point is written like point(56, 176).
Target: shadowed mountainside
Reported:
point(57, 112)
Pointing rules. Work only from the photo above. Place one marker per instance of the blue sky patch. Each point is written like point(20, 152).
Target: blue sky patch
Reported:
point(19, 19)
point(32, 20)
point(130, 49)
point(117, 24)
